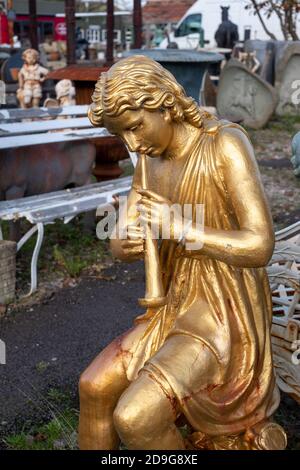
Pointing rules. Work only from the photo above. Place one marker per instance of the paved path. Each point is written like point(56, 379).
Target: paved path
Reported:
point(49, 345)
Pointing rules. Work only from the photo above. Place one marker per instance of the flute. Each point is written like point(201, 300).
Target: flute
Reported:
point(154, 295)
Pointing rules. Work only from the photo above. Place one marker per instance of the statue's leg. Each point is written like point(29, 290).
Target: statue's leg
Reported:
point(145, 416)
point(148, 409)
point(100, 388)
point(36, 102)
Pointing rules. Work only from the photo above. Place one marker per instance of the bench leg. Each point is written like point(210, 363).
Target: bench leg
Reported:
point(40, 236)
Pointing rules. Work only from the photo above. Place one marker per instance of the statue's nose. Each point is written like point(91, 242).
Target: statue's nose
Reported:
point(131, 143)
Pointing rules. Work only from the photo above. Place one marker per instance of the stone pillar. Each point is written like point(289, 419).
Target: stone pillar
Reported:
point(33, 25)
point(137, 24)
point(7, 271)
point(110, 25)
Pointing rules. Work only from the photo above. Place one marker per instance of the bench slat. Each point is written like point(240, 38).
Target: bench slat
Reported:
point(15, 209)
point(52, 137)
point(23, 128)
point(15, 114)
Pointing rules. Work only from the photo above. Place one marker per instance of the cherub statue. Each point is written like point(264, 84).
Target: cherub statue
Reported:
point(204, 353)
point(31, 76)
point(65, 95)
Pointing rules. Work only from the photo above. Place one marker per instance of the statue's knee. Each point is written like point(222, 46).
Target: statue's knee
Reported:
point(89, 388)
point(127, 420)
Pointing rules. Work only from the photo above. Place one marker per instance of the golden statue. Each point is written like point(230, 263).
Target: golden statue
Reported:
point(30, 77)
point(202, 350)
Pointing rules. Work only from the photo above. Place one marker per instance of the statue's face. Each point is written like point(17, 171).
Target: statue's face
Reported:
point(30, 58)
point(143, 131)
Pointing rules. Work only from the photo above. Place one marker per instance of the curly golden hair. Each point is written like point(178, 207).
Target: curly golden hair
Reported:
point(139, 81)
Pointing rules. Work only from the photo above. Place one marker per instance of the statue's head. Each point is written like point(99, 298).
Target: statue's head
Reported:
point(140, 82)
point(30, 56)
point(141, 102)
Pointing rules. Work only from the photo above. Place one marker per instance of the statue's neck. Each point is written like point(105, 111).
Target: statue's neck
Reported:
point(182, 142)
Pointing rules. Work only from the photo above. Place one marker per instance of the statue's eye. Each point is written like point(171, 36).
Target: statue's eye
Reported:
point(134, 128)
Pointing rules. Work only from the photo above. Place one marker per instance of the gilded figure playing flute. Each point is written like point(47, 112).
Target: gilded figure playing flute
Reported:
point(203, 350)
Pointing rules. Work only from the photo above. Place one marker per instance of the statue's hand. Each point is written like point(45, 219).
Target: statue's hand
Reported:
point(161, 213)
point(131, 247)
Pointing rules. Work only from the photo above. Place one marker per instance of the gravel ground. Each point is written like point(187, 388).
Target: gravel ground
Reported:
point(50, 344)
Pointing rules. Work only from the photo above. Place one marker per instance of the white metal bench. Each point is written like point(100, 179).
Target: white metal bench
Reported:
point(284, 276)
point(21, 128)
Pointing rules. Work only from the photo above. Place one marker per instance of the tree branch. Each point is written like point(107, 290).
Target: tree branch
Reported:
point(257, 10)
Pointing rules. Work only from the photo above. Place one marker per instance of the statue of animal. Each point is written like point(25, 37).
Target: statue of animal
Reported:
point(227, 33)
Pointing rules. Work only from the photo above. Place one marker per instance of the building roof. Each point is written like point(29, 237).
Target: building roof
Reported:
point(165, 11)
point(44, 7)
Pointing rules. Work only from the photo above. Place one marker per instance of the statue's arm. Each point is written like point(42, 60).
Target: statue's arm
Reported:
point(252, 244)
point(126, 249)
point(44, 72)
point(21, 79)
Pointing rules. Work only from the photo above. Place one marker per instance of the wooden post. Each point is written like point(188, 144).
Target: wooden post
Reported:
point(137, 24)
point(33, 26)
point(10, 6)
point(110, 26)
point(71, 31)
point(7, 271)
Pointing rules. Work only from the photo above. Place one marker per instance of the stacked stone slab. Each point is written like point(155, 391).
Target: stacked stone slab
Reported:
point(245, 97)
point(277, 85)
point(7, 271)
point(287, 83)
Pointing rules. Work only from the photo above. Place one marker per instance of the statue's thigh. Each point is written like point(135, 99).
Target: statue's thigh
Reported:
point(186, 364)
point(107, 371)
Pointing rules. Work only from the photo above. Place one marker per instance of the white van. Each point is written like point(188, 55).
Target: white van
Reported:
point(206, 15)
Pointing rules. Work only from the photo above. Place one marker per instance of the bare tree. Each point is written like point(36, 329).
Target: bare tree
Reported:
point(287, 12)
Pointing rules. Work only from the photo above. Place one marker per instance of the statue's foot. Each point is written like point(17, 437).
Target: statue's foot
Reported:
point(264, 436)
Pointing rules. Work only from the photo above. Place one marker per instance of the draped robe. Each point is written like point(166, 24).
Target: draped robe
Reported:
point(211, 342)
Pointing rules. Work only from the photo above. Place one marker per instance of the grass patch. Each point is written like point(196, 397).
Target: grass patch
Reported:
point(58, 433)
point(67, 250)
point(290, 124)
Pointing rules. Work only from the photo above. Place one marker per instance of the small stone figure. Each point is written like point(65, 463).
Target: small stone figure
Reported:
point(296, 154)
point(65, 95)
point(31, 76)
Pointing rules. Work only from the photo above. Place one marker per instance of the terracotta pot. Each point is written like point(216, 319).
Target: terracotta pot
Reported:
point(14, 73)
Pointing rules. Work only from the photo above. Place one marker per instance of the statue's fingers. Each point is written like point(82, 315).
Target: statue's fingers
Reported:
point(135, 229)
point(135, 236)
point(132, 243)
point(151, 195)
point(134, 251)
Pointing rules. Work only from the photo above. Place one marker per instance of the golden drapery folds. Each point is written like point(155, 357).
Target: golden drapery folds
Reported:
point(216, 312)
